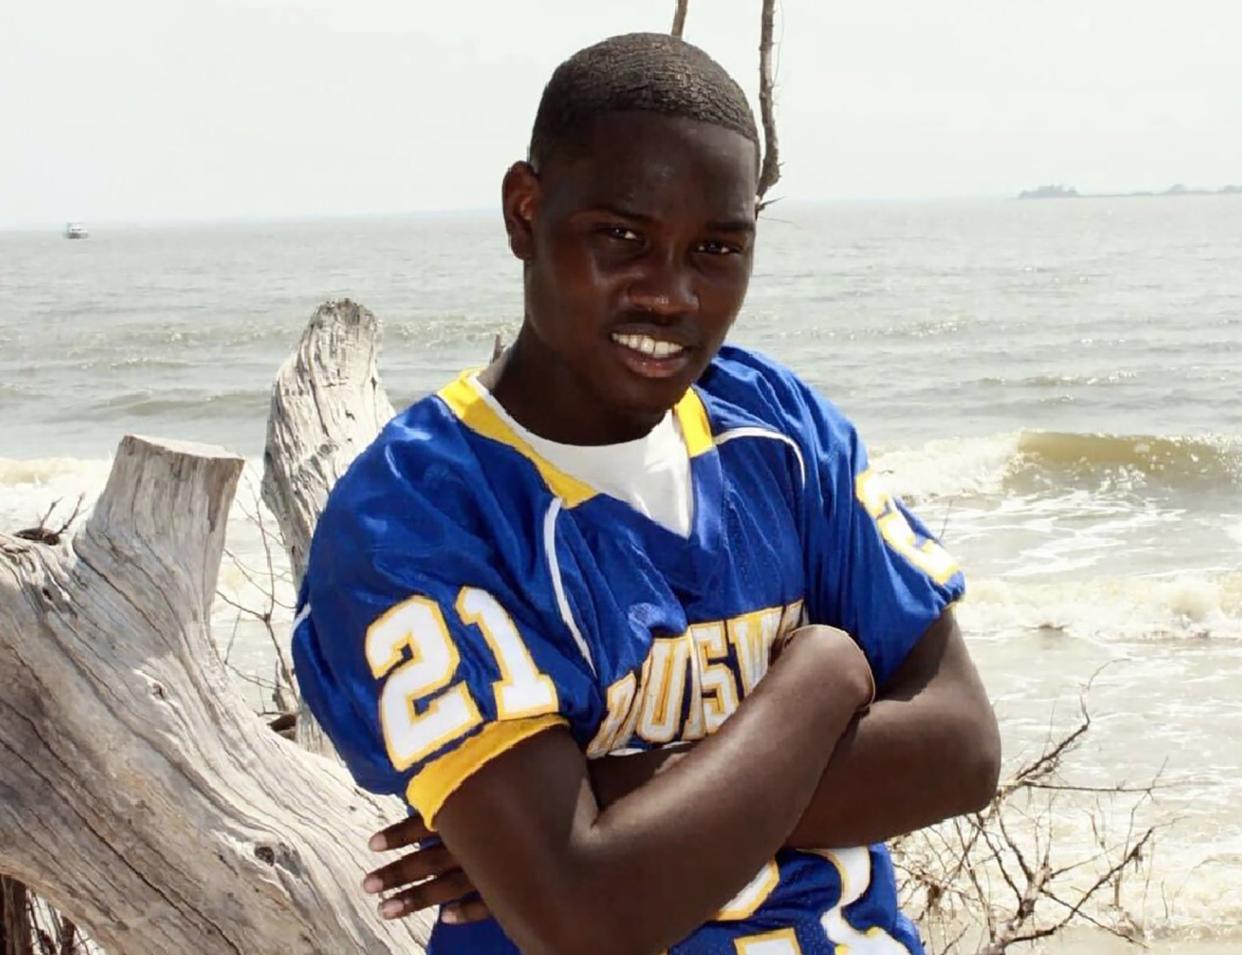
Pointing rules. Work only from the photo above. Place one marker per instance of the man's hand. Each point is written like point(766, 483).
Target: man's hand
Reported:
point(432, 874)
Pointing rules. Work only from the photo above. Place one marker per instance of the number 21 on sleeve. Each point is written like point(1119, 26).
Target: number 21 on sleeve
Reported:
point(781, 942)
point(417, 625)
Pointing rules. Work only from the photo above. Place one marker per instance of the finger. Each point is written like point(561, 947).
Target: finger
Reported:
point(434, 860)
point(473, 909)
point(446, 888)
point(400, 834)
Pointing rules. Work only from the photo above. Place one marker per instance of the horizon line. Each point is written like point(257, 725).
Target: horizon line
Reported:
point(260, 218)
point(432, 213)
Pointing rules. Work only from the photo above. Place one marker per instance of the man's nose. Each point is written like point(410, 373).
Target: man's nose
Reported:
point(664, 288)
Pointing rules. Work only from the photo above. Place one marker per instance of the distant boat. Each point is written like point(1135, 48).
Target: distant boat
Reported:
point(1050, 192)
point(1176, 191)
point(75, 230)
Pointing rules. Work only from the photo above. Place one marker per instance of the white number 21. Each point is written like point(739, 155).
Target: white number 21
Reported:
point(417, 625)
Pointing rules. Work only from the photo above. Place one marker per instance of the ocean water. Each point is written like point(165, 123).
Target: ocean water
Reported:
point(1053, 385)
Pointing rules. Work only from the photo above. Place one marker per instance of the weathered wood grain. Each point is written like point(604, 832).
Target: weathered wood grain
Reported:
point(138, 792)
point(327, 406)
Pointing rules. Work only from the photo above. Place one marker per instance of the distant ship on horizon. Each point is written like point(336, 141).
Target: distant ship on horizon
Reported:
point(75, 230)
point(1049, 192)
point(1069, 192)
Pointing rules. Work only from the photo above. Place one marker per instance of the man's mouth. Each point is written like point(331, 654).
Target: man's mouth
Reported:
point(651, 357)
point(646, 345)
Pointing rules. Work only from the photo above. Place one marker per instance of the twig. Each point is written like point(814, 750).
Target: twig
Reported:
point(44, 534)
point(679, 18)
point(51, 507)
point(77, 510)
point(1119, 789)
point(947, 511)
point(770, 171)
point(1050, 760)
point(1106, 878)
point(992, 880)
point(284, 688)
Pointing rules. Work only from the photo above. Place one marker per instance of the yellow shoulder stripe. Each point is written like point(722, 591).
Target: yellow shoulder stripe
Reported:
point(477, 415)
point(696, 429)
point(439, 779)
point(474, 412)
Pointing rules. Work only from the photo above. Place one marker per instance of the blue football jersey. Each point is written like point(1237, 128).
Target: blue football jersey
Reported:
point(463, 594)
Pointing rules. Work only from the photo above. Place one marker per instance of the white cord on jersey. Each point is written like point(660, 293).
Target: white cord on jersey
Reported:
point(554, 568)
point(750, 432)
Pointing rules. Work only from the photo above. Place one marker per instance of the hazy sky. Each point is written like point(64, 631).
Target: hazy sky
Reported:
point(172, 109)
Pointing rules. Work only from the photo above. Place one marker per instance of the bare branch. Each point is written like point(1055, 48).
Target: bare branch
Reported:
point(947, 511)
point(679, 18)
point(265, 581)
point(990, 881)
point(770, 172)
point(50, 508)
point(77, 510)
point(1134, 854)
point(43, 532)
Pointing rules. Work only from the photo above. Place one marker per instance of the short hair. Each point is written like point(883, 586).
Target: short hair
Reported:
point(645, 72)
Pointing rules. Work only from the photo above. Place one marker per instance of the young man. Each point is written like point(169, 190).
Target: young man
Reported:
point(623, 536)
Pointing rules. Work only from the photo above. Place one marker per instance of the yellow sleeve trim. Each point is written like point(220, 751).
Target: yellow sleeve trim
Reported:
point(428, 790)
point(696, 429)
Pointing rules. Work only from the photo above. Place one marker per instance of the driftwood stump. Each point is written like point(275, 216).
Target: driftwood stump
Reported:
point(327, 406)
point(138, 792)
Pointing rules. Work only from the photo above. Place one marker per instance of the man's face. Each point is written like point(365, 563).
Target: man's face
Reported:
point(638, 248)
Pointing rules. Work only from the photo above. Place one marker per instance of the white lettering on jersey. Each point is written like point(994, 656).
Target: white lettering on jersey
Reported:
point(715, 664)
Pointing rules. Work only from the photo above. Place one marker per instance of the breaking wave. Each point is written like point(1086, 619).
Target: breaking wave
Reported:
point(1174, 461)
point(1175, 606)
point(181, 404)
point(1033, 461)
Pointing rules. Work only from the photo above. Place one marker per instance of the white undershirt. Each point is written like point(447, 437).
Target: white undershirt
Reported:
point(651, 474)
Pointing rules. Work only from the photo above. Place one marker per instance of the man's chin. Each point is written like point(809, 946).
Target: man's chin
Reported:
point(648, 400)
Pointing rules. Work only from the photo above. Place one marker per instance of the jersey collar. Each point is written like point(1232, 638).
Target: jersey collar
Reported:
point(473, 411)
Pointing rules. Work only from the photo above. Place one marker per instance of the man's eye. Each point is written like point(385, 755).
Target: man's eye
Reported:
point(716, 247)
point(620, 232)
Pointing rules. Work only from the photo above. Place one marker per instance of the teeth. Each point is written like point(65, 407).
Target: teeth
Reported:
point(647, 345)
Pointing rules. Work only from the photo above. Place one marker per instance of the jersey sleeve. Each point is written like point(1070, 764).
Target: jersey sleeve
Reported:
point(872, 568)
point(417, 651)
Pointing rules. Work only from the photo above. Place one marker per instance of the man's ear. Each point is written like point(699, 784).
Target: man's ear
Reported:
point(519, 199)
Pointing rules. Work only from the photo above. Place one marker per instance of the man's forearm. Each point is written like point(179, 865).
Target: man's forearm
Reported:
point(903, 766)
point(898, 768)
point(927, 751)
point(930, 749)
point(748, 786)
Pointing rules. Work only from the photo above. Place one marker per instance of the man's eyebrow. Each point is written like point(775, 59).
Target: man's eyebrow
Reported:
point(732, 225)
point(723, 225)
point(623, 213)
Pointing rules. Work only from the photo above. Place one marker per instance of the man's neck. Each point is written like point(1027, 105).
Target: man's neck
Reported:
point(548, 399)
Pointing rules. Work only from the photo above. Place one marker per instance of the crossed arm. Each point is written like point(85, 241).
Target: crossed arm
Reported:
point(928, 749)
point(792, 766)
